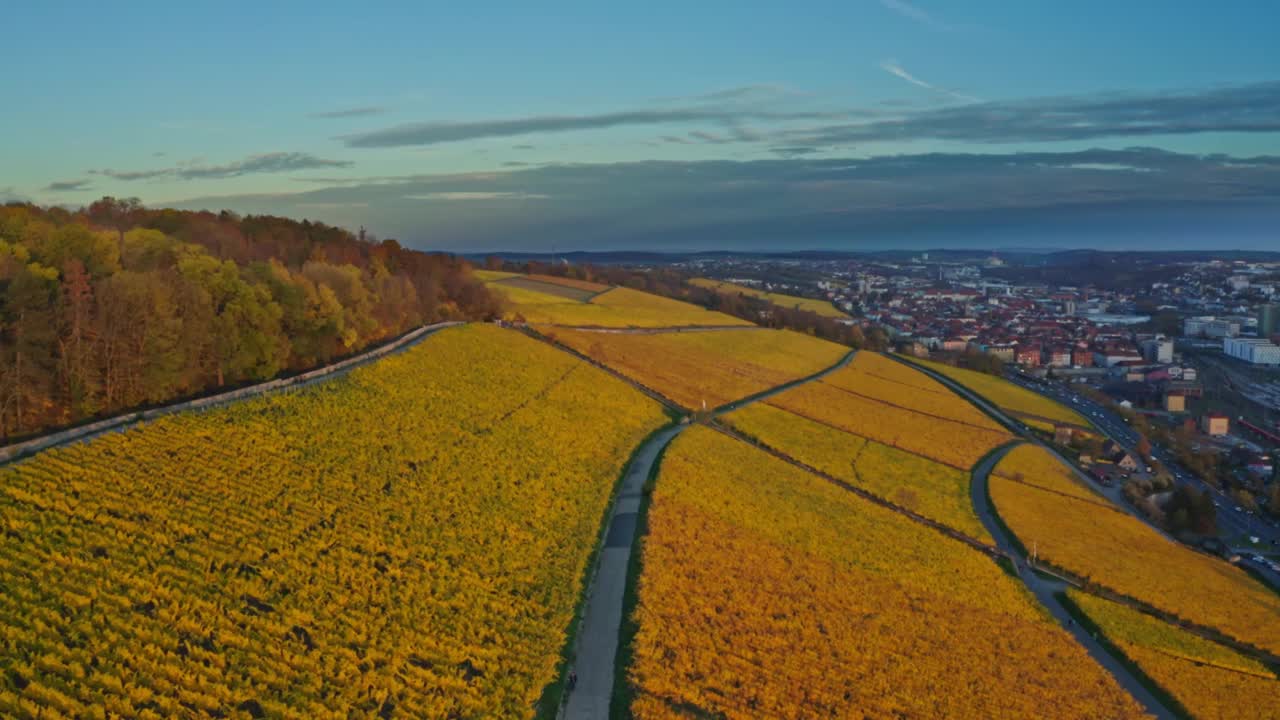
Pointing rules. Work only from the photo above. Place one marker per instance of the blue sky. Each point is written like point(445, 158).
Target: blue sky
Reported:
point(479, 126)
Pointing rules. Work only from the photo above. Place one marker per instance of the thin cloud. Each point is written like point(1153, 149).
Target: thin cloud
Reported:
point(348, 113)
point(1251, 108)
point(893, 68)
point(265, 163)
point(477, 196)
point(69, 185)
point(912, 12)
point(434, 133)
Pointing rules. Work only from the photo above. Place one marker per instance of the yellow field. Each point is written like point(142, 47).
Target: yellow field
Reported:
point(949, 442)
point(877, 377)
point(1118, 551)
point(714, 367)
point(1035, 465)
point(821, 307)
point(408, 539)
point(1008, 396)
point(1209, 680)
point(491, 275)
point(569, 282)
point(769, 593)
point(619, 307)
point(931, 489)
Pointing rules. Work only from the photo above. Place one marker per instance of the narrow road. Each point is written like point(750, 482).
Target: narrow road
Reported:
point(1045, 589)
point(596, 652)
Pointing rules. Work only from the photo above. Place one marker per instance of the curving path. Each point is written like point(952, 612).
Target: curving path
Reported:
point(596, 651)
point(1046, 589)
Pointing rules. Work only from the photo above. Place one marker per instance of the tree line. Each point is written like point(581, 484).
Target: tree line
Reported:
point(672, 283)
point(116, 305)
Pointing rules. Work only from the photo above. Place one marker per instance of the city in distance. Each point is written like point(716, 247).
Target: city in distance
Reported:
point(886, 359)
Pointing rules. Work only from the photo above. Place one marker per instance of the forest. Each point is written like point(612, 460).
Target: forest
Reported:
point(116, 305)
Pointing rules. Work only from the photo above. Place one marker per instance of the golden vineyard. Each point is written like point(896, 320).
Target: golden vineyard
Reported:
point(437, 533)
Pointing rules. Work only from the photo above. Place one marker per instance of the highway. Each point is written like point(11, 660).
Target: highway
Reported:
point(1231, 522)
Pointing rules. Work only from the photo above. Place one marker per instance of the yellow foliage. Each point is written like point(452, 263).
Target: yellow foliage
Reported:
point(875, 376)
point(1116, 550)
point(1208, 679)
point(1037, 466)
point(1008, 396)
point(712, 366)
point(769, 593)
point(951, 442)
point(931, 489)
point(416, 530)
point(619, 307)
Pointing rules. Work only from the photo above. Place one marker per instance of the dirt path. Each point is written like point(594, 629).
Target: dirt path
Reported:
point(1046, 589)
point(596, 652)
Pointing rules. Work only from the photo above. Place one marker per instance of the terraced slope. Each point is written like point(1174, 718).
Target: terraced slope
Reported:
point(559, 301)
point(1206, 679)
point(1091, 538)
point(406, 541)
point(706, 369)
point(858, 400)
point(768, 592)
point(1007, 396)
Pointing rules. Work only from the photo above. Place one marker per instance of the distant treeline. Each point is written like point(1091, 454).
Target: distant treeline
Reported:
point(670, 282)
point(116, 306)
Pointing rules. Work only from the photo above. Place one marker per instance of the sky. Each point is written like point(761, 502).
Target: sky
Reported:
point(472, 127)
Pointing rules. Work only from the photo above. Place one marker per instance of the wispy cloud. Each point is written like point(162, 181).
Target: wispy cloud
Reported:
point(1251, 108)
point(276, 162)
point(893, 68)
point(914, 13)
point(474, 195)
point(348, 113)
point(69, 185)
point(434, 133)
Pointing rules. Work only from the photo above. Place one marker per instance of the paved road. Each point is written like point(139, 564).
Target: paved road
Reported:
point(598, 636)
point(1230, 520)
point(597, 646)
point(1045, 589)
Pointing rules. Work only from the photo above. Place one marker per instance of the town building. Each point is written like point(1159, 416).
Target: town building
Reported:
point(1158, 350)
point(1175, 402)
point(1252, 350)
point(1215, 424)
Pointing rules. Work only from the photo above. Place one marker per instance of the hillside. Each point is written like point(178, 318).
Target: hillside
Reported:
point(410, 538)
point(610, 499)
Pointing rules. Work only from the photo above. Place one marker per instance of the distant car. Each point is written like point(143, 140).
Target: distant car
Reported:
point(1257, 558)
point(1239, 509)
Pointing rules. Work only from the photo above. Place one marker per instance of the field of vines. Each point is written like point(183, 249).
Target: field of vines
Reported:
point(931, 489)
point(766, 592)
point(1117, 551)
point(1037, 466)
point(714, 367)
point(1008, 396)
point(616, 308)
point(1209, 680)
point(843, 400)
point(821, 307)
point(407, 541)
point(876, 377)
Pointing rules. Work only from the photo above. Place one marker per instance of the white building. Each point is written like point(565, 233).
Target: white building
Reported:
point(1158, 350)
point(1210, 326)
point(1252, 350)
